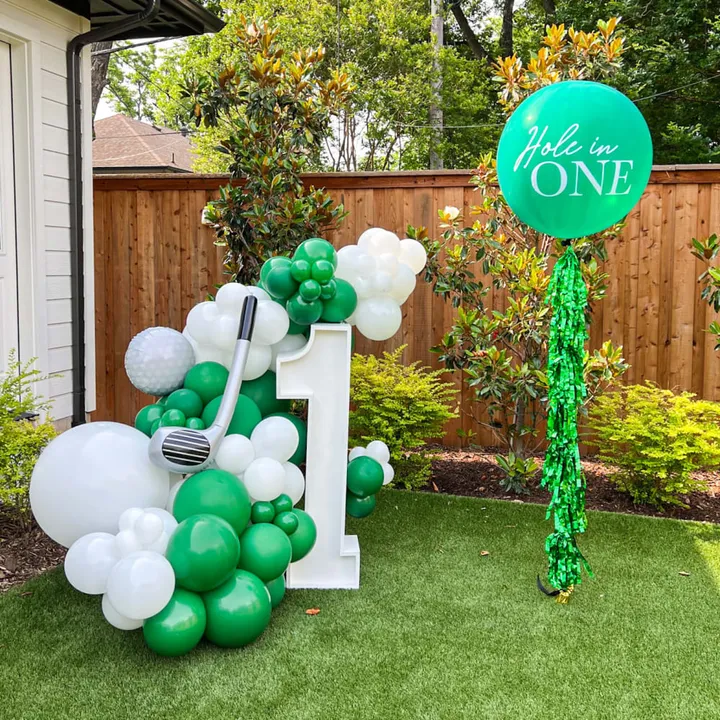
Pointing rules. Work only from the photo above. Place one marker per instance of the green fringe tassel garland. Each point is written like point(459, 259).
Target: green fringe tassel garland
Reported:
point(562, 473)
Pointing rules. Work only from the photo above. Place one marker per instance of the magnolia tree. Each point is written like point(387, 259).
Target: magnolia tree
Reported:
point(708, 250)
point(502, 351)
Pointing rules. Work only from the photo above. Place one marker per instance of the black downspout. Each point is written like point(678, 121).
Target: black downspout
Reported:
point(77, 235)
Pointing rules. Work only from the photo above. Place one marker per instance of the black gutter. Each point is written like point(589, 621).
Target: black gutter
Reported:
point(77, 235)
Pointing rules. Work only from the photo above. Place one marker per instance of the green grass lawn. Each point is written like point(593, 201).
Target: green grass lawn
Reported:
point(436, 631)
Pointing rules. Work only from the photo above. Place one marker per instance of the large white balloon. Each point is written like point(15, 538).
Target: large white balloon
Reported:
point(413, 254)
point(276, 438)
point(127, 542)
point(230, 298)
point(225, 332)
point(116, 619)
point(235, 453)
point(367, 236)
point(388, 473)
point(141, 585)
point(89, 561)
point(378, 318)
point(403, 283)
point(383, 242)
point(157, 360)
point(290, 343)
point(172, 494)
point(271, 323)
point(87, 477)
point(264, 479)
point(258, 362)
point(379, 451)
point(294, 482)
point(260, 294)
point(201, 321)
point(356, 452)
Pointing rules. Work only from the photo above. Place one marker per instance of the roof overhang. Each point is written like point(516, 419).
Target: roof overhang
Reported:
point(177, 18)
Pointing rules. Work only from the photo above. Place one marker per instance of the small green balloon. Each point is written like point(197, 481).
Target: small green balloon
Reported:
point(301, 270)
point(187, 401)
point(322, 271)
point(298, 457)
point(276, 588)
point(161, 401)
point(245, 418)
point(195, 423)
point(204, 551)
point(303, 539)
point(364, 476)
point(296, 329)
point(238, 611)
point(215, 492)
point(178, 627)
point(342, 305)
point(265, 551)
point(359, 507)
point(278, 261)
point(147, 416)
point(173, 418)
point(155, 426)
point(207, 379)
point(282, 503)
point(262, 512)
point(287, 522)
point(303, 312)
point(316, 249)
point(263, 392)
point(328, 290)
point(310, 290)
point(280, 283)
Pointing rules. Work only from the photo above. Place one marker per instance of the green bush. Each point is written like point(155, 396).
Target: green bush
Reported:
point(656, 440)
point(402, 405)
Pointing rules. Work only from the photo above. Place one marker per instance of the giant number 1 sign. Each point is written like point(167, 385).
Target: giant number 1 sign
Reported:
point(320, 373)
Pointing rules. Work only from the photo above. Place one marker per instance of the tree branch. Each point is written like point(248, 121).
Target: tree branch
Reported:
point(476, 47)
point(506, 33)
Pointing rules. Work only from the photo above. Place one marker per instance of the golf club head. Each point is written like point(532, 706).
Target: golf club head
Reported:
point(180, 450)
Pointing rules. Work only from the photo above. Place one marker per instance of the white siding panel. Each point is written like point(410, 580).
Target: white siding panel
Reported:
point(58, 288)
point(61, 385)
point(60, 360)
point(57, 264)
point(59, 335)
point(59, 311)
point(53, 87)
point(62, 406)
point(57, 238)
point(57, 214)
point(54, 59)
point(56, 189)
point(56, 165)
point(54, 114)
point(55, 139)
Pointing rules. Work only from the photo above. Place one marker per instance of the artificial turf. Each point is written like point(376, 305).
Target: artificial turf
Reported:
point(437, 630)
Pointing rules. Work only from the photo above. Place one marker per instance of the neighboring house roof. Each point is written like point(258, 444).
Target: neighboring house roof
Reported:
point(122, 143)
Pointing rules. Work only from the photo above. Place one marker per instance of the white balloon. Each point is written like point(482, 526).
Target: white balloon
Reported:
point(382, 282)
point(89, 561)
point(294, 482)
point(367, 237)
point(157, 360)
point(258, 362)
point(413, 254)
point(403, 283)
point(384, 242)
point(116, 619)
point(387, 262)
point(264, 479)
point(230, 298)
point(160, 545)
point(356, 452)
point(271, 323)
point(365, 266)
point(378, 318)
point(148, 528)
point(225, 332)
point(276, 438)
point(346, 258)
point(364, 287)
point(235, 453)
point(200, 321)
point(379, 451)
point(172, 494)
point(141, 585)
point(169, 522)
point(87, 477)
point(210, 353)
point(290, 343)
point(127, 542)
point(388, 473)
point(260, 294)
point(128, 518)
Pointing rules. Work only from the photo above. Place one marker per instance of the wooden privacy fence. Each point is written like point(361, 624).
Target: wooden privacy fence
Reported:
point(154, 260)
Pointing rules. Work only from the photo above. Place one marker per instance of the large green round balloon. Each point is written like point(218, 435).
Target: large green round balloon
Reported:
point(215, 492)
point(360, 507)
point(178, 627)
point(245, 418)
point(364, 476)
point(276, 588)
point(342, 305)
point(303, 539)
point(280, 283)
point(207, 379)
point(316, 249)
point(263, 392)
point(302, 312)
point(147, 416)
point(298, 457)
point(238, 611)
point(279, 261)
point(187, 401)
point(265, 551)
point(204, 551)
point(574, 158)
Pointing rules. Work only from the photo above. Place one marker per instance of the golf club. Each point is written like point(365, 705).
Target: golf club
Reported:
point(183, 450)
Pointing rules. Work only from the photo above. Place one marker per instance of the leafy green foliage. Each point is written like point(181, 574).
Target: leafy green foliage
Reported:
point(402, 405)
point(130, 82)
point(708, 250)
point(273, 112)
point(656, 440)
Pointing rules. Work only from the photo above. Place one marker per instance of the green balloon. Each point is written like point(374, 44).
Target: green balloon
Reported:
point(265, 551)
point(328, 290)
point(147, 416)
point(282, 503)
point(303, 312)
point(195, 423)
point(574, 158)
point(342, 305)
point(173, 418)
point(303, 539)
point(301, 270)
point(155, 426)
point(298, 457)
point(296, 329)
point(278, 261)
point(280, 283)
point(276, 588)
point(204, 551)
point(244, 419)
point(323, 271)
point(215, 492)
point(187, 401)
point(359, 507)
point(207, 379)
point(238, 611)
point(178, 627)
point(262, 512)
point(364, 476)
point(263, 392)
point(287, 521)
point(316, 249)
point(161, 401)
point(310, 290)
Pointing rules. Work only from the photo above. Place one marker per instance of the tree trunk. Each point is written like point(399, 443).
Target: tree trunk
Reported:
point(506, 33)
point(477, 49)
point(436, 113)
point(549, 7)
point(98, 69)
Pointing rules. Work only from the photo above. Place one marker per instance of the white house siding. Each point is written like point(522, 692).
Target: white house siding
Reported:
point(40, 32)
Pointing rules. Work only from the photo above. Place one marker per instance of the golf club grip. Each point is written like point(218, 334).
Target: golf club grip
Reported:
point(247, 318)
